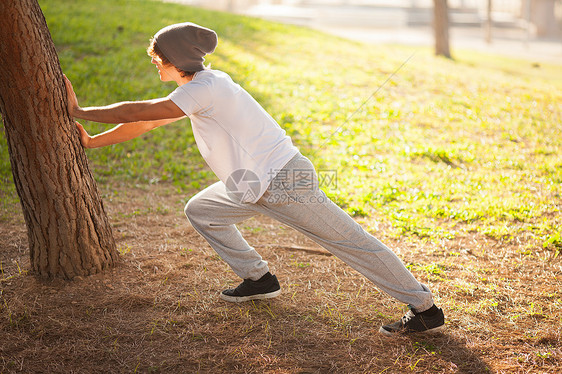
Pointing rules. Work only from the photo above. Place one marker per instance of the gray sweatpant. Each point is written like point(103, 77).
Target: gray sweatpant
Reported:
point(294, 198)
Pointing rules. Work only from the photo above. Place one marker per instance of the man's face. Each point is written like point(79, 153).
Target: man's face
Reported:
point(166, 72)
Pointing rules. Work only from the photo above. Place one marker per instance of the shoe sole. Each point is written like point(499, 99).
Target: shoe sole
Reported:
point(434, 330)
point(240, 299)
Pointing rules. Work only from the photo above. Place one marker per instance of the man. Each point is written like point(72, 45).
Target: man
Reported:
point(260, 171)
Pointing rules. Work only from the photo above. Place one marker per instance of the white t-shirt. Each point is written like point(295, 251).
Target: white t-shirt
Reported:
point(237, 138)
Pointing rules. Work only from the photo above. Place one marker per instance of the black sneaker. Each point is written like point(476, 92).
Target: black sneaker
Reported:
point(431, 320)
point(264, 288)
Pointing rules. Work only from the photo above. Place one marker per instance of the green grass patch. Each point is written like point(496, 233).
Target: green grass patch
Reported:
point(444, 148)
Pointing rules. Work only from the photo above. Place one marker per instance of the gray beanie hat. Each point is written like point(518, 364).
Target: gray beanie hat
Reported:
point(185, 44)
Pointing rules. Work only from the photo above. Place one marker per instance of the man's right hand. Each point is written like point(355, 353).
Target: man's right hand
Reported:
point(84, 136)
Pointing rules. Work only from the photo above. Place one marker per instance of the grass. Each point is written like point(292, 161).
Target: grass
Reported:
point(454, 163)
point(445, 147)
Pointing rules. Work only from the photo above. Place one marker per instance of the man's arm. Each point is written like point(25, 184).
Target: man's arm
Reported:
point(120, 133)
point(129, 111)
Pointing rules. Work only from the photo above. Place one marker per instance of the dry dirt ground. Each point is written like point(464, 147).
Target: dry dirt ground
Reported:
point(158, 310)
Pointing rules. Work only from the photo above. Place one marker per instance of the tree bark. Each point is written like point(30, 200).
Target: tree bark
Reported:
point(489, 21)
point(68, 230)
point(543, 16)
point(441, 28)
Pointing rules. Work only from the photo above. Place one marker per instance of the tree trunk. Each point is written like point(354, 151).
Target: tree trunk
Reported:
point(68, 230)
point(489, 21)
point(441, 28)
point(543, 16)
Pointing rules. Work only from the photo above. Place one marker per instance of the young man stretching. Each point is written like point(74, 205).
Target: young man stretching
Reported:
point(260, 171)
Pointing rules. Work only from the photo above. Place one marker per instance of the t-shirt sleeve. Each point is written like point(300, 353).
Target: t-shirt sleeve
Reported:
point(191, 98)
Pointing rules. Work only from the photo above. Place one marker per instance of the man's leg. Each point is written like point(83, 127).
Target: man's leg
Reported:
point(300, 204)
point(213, 215)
